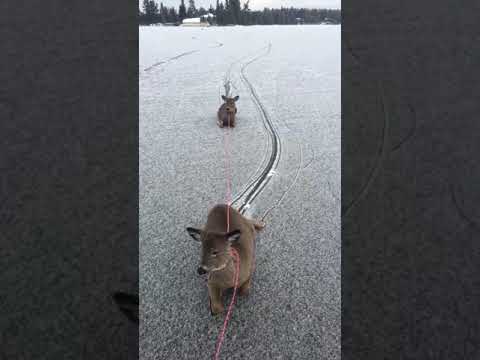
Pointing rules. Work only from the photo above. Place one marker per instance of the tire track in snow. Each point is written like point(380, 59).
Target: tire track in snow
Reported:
point(176, 57)
point(285, 193)
point(255, 187)
point(170, 59)
point(265, 159)
point(227, 84)
point(251, 192)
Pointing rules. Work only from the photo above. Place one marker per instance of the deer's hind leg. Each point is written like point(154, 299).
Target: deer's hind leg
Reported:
point(244, 289)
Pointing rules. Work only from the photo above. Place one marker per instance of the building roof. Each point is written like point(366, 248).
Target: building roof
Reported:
point(191, 21)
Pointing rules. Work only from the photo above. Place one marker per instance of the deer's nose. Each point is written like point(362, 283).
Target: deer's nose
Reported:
point(201, 270)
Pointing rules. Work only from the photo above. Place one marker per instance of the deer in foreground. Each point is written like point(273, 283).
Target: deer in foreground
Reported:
point(226, 112)
point(216, 258)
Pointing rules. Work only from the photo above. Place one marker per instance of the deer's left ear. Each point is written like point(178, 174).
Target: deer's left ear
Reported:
point(236, 98)
point(224, 97)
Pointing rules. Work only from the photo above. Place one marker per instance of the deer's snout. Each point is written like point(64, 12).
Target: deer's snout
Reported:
point(201, 270)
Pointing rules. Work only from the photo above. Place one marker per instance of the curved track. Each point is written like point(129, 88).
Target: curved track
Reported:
point(170, 59)
point(258, 184)
point(261, 177)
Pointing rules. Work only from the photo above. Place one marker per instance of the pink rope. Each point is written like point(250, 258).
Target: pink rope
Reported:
point(227, 173)
point(221, 337)
point(234, 252)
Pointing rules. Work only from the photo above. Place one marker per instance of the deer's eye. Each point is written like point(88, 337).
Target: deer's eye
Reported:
point(214, 253)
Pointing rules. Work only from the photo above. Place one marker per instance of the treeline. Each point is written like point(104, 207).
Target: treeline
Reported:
point(232, 12)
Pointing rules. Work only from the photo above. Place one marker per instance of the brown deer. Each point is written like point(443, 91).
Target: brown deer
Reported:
point(216, 258)
point(227, 111)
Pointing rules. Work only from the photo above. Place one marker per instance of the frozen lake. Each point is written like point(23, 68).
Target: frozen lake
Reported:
point(291, 76)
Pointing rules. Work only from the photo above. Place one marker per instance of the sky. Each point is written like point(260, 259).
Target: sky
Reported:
point(260, 4)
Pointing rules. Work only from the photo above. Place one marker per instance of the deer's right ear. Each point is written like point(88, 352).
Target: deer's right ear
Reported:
point(224, 97)
point(194, 233)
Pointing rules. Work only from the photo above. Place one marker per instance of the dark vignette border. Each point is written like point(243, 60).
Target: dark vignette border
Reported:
point(69, 178)
point(410, 180)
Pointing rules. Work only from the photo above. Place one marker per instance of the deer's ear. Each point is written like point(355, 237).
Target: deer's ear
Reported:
point(236, 98)
point(233, 236)
point(194, 233)
point(224, 97)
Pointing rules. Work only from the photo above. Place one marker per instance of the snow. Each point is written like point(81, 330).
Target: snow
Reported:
point(293, 310)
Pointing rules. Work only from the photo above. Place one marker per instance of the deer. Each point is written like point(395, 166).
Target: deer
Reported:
point(227, 111)
point(216, 258)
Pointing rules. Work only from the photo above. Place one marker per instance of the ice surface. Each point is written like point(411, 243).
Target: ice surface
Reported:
point(293, 310)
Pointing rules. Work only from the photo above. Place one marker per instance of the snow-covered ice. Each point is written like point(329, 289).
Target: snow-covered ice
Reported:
point(293, 310)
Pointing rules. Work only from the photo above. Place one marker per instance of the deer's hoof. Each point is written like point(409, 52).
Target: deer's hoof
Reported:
point(216, 309)
point(244, 291)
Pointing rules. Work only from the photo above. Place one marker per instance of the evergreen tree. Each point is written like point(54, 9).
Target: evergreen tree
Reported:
point(228, 15)
point(267, 16)
point(292, 19)
point(233, 12)
point(246, 16)
point(145, 6)
point(172, 15)
point(236, 11)
point(163, 14)
point(182, 11)
point(192, 10)
point(220, 13)
point(150, 9)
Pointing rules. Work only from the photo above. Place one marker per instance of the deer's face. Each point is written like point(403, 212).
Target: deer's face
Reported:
point(215, 252)
point(231, 107)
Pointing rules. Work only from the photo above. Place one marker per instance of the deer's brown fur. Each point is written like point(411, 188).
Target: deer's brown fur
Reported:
point(227, 111)
point(216, 258)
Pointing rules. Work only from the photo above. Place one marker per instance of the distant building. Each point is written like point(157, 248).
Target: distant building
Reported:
point(200, 21)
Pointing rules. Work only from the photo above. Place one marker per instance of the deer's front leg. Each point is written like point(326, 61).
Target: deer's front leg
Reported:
point(215, 294)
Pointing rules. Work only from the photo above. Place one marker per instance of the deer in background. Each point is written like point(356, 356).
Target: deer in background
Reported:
point(227, 111)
